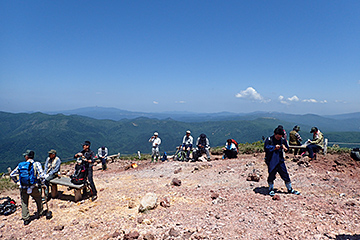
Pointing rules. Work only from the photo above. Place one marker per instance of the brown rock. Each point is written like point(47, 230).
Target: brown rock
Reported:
point(165, 202)
point(176, 182)
point(115, 234)
point(132, 203)
point(214, 195)
point(276, 197)
point(174, 233)
point(177, 170)
point(131, 235)
point(140, 219)
point(149, 236)
point(59, 227)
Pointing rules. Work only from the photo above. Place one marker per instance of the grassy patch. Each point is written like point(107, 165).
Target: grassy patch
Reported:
point(244, 148)
point(7, 184)
point(335, 149)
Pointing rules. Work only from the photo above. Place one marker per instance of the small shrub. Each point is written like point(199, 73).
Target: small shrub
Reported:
point(7, 184)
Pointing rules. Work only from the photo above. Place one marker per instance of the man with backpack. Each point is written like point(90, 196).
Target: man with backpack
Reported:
point(230, 150)
point(30, 175)
point(202, 146)
point(89, 156)
point(274, 159)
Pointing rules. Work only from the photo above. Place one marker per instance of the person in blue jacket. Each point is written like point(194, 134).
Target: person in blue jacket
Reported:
point(275, 146)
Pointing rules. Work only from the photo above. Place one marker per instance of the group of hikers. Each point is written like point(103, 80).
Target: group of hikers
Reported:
point(30, 175)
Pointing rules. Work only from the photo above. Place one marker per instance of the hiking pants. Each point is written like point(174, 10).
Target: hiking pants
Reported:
point(312, 148)
point(155, 152)
point(202, 150)
point(47, 183)
point(103, 163)
point(36, 195)
point(91, 180)
point(187, 150)
point(230, 153)
point(281, 169)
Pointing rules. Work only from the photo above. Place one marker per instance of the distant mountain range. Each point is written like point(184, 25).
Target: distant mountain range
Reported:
point(338, 123)
point(65, 133)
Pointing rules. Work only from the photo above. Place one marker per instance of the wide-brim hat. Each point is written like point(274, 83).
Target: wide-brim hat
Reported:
point(52, 151)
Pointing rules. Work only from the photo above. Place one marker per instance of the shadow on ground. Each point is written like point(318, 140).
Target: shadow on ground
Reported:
point(348, 237)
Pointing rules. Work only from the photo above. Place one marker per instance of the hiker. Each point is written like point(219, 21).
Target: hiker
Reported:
point(156, 141)
point(30, 175)
point(52, 167)
point(295, 138)
point(230, 150)
point(316, 143)
point(187, 144)
point(285, 135)
point(202, 146)
point(274, 158)
point(90, 159)
point(102, 154)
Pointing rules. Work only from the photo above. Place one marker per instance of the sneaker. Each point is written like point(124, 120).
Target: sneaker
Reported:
point(94, 198)
point(272, 193)
point(292, 191)
point(26, 222)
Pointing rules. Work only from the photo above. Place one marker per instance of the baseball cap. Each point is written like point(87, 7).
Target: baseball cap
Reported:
point(86, 143)
point(29, 153)
point(52, 151)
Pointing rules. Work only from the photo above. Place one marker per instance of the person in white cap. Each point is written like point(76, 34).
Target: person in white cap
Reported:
point(156, 141)
point(187, 144)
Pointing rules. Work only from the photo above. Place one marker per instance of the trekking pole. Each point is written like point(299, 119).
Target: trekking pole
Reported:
point(48, 212)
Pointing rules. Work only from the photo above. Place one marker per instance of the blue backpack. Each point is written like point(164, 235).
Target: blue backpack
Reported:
point(26, 174)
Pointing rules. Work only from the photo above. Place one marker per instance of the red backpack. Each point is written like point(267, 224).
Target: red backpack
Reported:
point(236, 144)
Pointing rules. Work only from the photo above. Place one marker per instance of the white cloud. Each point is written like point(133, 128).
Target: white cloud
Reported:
point(251, 94)
point(181, 102)
point(294, 99)
point(155, 102)
point(311, 100)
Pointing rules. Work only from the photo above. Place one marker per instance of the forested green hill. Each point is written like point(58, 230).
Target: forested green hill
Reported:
point(41, 132)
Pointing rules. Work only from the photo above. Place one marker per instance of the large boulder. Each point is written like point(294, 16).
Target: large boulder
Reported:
point(148, 202)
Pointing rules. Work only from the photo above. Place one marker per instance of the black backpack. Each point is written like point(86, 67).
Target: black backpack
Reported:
point(79, 177)
point(355, 154)
point(8, 206)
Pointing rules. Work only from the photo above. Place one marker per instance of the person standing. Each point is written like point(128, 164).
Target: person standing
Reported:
point(52, 167)
point(274, 158)
point(187, 144)
point(30, 175)
point(316, 143)
point(295, 138)
point(89, 156)
point(155, 152)
point(102, 154)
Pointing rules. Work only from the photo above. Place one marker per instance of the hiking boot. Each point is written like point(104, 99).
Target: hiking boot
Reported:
point(26, 222)
point(272, 193)
point(292, 191)
point(94, 198)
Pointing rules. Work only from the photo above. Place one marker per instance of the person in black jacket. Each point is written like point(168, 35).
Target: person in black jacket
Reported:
point(90, 159)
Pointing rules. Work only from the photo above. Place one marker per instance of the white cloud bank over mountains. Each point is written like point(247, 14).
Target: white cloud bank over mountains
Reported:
point(251, 94)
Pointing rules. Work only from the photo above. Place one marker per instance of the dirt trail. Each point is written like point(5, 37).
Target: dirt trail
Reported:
point(214, 201)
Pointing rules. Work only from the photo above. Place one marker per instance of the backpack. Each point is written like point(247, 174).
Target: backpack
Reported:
point(8, 206)
point(355, 154)
point(236, 144)
point(27, 174)
point(164, 158)
point(79, 177)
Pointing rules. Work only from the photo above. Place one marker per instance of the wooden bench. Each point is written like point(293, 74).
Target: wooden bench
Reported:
point(65, 181)
point(324, 147)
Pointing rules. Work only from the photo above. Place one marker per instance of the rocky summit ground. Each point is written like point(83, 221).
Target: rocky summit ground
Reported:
point(214, 200)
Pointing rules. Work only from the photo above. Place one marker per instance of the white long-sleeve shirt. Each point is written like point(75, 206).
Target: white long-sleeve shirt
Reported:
point(155, 141)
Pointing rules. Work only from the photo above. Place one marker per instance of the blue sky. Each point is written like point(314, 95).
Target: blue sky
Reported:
point(201, 56)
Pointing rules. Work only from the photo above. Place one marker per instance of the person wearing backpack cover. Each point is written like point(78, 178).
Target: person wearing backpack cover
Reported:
point(31, 175)
point(90, 159)
point(274, 158)
point(52, 167)
point(202, 146)
point(230, 149)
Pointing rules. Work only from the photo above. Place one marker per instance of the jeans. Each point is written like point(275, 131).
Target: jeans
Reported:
point(312, 148)
point(91, 180)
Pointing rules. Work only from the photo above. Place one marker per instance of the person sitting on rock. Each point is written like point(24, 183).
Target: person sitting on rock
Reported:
point(202, 146)
point(103, 154)
point(295, 138)
point(230, 149)
point(274, 157)
point(187, 144)
point(316, 144)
